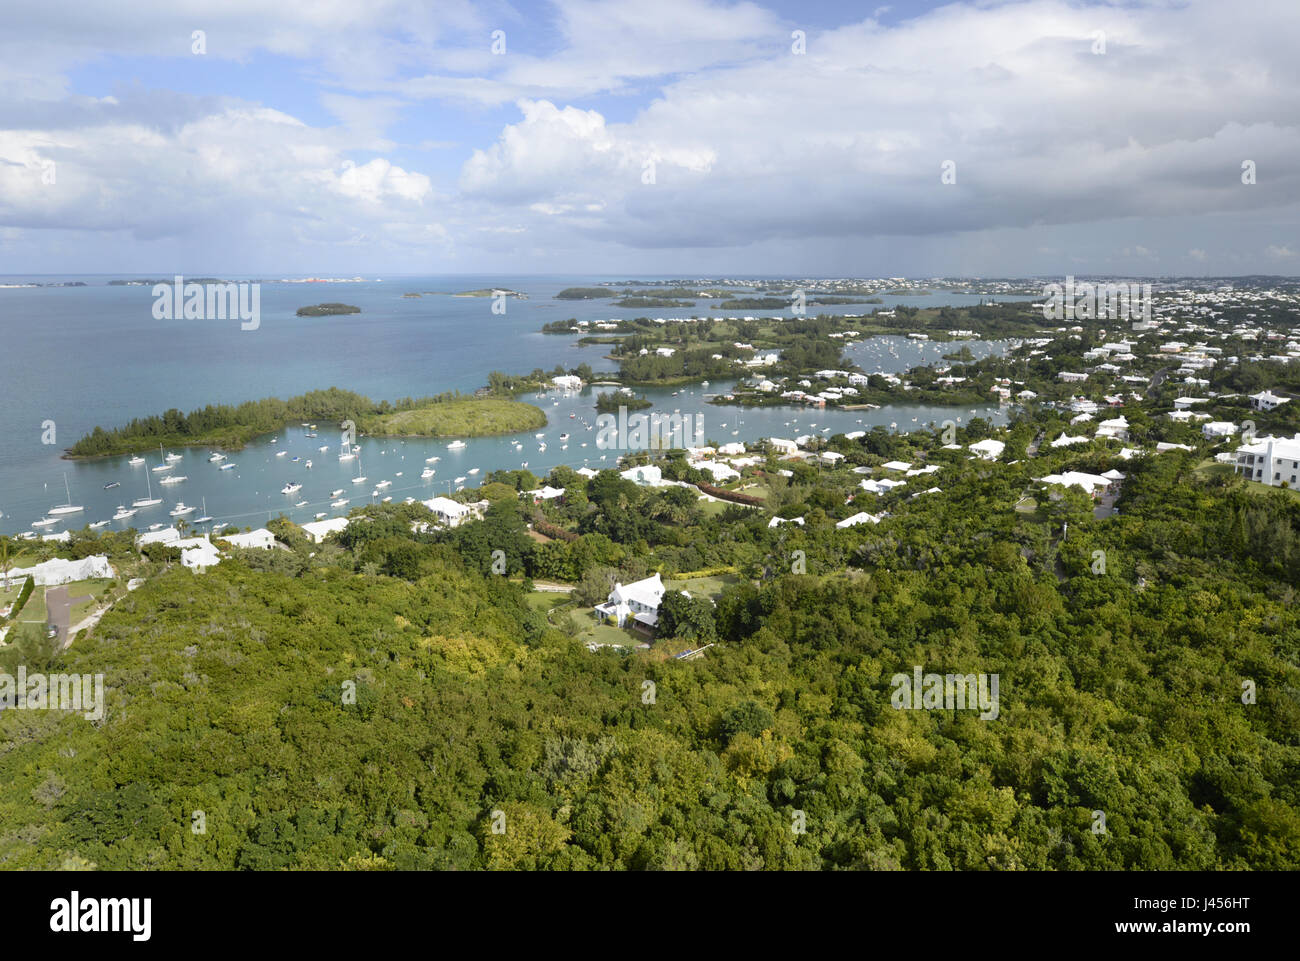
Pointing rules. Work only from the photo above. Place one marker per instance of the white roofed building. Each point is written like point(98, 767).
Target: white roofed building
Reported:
point(635, 604)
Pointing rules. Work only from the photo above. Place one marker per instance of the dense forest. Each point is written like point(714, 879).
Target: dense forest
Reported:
point(387, 701)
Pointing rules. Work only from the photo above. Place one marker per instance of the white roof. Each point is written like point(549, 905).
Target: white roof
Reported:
point(1074, 478)
point(897, 465)
point(60, 570)
point(446, 506)
point(318, 530)
point(258, 538)
point(862, 517)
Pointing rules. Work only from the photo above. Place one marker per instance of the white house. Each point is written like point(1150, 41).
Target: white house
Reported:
point(1091, 483)
point(567, 382)
point(638, 602)
point(648, 475)
point(448, 511)
point(862, 517)
point(261, 539)
point(198, 553)
point(1218, 429)
point(1116, 428)
point(721, 472)
point(1267, 400)
point(319, 530)
point(1271, 460)
point(988, 449)
point(782, 445)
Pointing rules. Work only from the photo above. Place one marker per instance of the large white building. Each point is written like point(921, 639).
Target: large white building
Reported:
point(1271, 460)
point(1267, 400)
point(638, 602)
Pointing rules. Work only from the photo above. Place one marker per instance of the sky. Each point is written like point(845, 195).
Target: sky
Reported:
point(700, 138)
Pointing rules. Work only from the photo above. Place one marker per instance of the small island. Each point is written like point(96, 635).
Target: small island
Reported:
point(610, 402)
point(492, 292)
point(230, 428)
point(584, 293)
point(327, 310)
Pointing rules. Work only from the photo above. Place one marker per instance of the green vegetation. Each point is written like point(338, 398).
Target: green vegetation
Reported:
point(468, 417)
point(609, 402)
point(327, 310)
point(584, 293)
point(233, 427)
point(652, 302)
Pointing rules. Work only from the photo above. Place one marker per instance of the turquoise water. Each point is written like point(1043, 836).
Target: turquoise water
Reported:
point(95, 355)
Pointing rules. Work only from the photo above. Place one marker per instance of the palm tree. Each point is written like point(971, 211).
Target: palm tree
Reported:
point(5, 563)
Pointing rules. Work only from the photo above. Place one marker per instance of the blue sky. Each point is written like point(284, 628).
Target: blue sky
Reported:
point(680, 136)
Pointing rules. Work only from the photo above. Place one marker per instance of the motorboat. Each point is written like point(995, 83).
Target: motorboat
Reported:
point(341, 502)
point(216, 458)
point(172, 458)
point(46, 522)
point(300, 504)
point(173, 479)
point(382, 484)
point(228, 466)
point(359, 480)
point(109, 487)
point(181, 509)
point(290, 488)
point(136, 461)
point(336, 493)
point(308, 465)
point(456, 445)
point(123, 512)
point(98, 524)
point(427, 473)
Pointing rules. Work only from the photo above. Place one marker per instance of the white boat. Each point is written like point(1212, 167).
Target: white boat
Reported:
point(67, 507)
point(336, 493)
point(539, 436)
point(346, 455)
point(205, 518)
point(228, 466)
point(163, 467)
point(300, 504)
point(386, 500)
point(563, 438)
point(136, 461)
point(320, 516)
point(181, 509)
point(359, 480)
point(290, 488)
point(112, 486)
point(155, 527)
point(432, 460)
point(541, 446)
point(456, 445)
point(173, 480)
point(281, 453)
point(123, 513)
point(398, 474)
point(45, 522)
point(308, 465)
point(473, 471)
point(459, 480)
point(215, 458)
point(356, 448)
point(383, 483)
point(323, 448)
point(172, 458)
point(342, 501)
point(98, 524)
point(427, 473)
point(149, 501)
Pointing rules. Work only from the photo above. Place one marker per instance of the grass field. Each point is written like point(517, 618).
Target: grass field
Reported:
point(709, 587)
point(471, 417)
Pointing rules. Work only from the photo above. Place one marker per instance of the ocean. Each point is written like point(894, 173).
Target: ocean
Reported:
point(77, 357)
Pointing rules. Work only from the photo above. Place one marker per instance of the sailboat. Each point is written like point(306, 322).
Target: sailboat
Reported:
point(164, 464)
point(67, 507)
point(149, 501)
point(360, 478)
point(205, 518)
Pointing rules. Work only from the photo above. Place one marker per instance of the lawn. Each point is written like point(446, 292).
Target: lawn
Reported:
point(471, 417)
point(710, 587)
point(587, 628)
